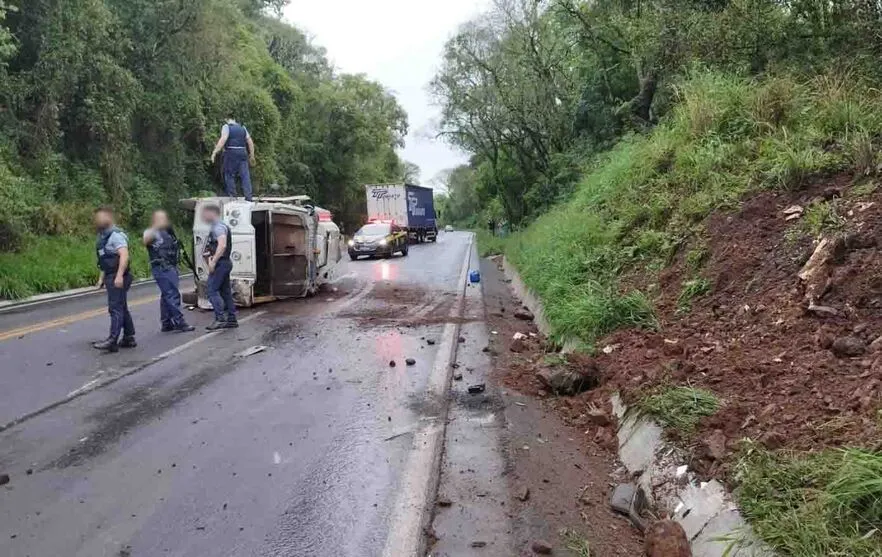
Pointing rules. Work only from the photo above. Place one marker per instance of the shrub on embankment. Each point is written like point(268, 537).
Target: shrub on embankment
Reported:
point(643, 200)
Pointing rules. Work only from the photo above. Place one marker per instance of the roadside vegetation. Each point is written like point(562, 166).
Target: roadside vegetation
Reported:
point(806, 505)
point(120, 102)
point(603, 135)
point(679, 408)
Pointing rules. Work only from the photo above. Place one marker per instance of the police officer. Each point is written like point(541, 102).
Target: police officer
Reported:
point(112, 248)
point(164, 250)
point(238, 148)
point(217, 255)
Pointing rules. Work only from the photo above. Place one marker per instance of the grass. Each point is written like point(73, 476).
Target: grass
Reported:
point(692, 289)
point(826, 503)
point(643, 201)
point(54, 263)
point(488, 244)
point(575, 542)
point(679, 408)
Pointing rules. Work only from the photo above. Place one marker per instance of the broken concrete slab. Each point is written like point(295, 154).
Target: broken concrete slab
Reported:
point(699, 504)
point(621, 498)
point(717, 538)
point(638, 441)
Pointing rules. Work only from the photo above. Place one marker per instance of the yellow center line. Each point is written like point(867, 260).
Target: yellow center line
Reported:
point(6, 335)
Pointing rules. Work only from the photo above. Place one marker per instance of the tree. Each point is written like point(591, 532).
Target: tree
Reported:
point(411, 174)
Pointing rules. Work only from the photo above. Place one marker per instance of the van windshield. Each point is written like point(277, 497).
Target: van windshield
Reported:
point(373, 230)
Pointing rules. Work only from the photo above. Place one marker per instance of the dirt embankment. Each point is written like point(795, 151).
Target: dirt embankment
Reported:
point(787, 347)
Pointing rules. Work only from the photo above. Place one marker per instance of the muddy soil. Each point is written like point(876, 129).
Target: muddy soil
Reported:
point(752, 342)
point(562, 472)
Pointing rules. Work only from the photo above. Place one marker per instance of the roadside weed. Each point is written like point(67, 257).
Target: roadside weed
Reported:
point(679, 408)
point(692, 289)
point(827, 503)
point(575, 542)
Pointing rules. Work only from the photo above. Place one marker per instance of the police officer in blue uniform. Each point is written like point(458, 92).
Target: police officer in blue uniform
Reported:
point(217, 255)
point(112, 249)
point(164, 250)
point(238, 148)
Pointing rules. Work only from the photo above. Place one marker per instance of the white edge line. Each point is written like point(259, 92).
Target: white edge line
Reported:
point(96, 384)
point(419, 480)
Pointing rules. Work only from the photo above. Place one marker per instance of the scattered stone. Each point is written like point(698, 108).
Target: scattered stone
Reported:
point(430, 341)
point(457, 376)
point(524, 315)
point(476, 389)
point(461, 339)
point(477, 544)
point(541, 547)
point(518, 345)
point(846, 347)
point(566, 381)
point(666, 538)
point(793, 209)
point(598, 417)
point(876, 345)
point(772, 440)
point(715, 445)
point(524, 494)
point(822, 310)
point(391, 363)
point(622, 497)
point(444, 502)
point(29, 471)
point(4, 479)
point(410, 362)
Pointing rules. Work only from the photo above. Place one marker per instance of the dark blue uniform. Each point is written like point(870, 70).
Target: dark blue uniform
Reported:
point(117, 298)
point(164, 252)
point(220, 291)
point(236, 160)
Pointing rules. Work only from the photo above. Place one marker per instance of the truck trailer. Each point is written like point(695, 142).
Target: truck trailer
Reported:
point(409, 207)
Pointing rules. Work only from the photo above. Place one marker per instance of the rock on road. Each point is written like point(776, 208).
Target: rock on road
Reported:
point(194, 451)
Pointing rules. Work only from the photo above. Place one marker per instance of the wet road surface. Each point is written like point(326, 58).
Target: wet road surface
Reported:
point(297, 450)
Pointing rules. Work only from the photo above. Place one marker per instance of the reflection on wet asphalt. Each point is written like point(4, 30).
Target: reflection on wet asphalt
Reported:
point(296, 450)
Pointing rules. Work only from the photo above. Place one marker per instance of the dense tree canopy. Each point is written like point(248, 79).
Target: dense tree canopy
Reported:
point(120, 101)
point(535, 87)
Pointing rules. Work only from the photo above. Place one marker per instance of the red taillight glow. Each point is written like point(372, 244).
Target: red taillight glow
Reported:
point(325, 216)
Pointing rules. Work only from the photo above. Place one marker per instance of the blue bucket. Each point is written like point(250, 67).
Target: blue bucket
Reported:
point(475, 276)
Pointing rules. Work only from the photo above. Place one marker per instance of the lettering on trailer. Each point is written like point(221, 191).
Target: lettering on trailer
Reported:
point(413, 206)
point(384, 193)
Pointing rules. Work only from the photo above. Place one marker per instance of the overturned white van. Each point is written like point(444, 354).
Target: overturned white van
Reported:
point(283, 247)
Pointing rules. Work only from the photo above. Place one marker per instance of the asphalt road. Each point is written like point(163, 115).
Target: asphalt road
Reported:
point(297, 450)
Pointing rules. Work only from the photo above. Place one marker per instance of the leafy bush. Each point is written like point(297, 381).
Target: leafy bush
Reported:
point(679, 408)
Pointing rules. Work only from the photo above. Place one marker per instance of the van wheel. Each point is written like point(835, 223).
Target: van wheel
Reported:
point(353, 257)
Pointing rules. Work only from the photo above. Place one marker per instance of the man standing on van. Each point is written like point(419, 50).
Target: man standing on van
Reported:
point(217, 255)
point(112, 249)
point(164, 250)
point(238, 148)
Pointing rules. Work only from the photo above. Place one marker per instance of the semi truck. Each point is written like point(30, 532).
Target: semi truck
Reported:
point(406, 206)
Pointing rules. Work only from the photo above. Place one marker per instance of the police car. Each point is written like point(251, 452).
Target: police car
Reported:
point(382, 238)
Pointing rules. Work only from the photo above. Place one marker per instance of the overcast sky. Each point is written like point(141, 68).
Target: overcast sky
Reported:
point(399, 44)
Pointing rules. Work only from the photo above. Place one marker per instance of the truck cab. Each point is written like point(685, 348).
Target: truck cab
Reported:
point(281, 247)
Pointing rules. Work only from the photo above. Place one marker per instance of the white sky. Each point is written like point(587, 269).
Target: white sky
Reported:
point(398, 43)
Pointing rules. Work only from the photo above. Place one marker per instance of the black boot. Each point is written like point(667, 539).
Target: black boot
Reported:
point(128, 342)
point(232, 323)
point(184, 327)
point(167, 328)
point(108, 345)
point(217, 325)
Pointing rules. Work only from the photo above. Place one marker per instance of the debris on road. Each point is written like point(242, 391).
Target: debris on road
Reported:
point(524, 315)
point(461, 339)
point(410, 362)
point(430, 341)
point(391, 363)
point(457, 376)
point(444, 502)
point(666, 538)
point(4, 479)
point(251, 351)
point(524, 494)
point(476, 389)
point(477, 544)
point(622, 497)
point(541, 547)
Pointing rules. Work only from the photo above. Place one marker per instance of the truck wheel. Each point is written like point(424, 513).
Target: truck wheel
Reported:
point(353, 257)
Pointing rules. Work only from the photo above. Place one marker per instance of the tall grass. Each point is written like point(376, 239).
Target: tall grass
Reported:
point(827, 503)
point(647, 197)
point(53, 263)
